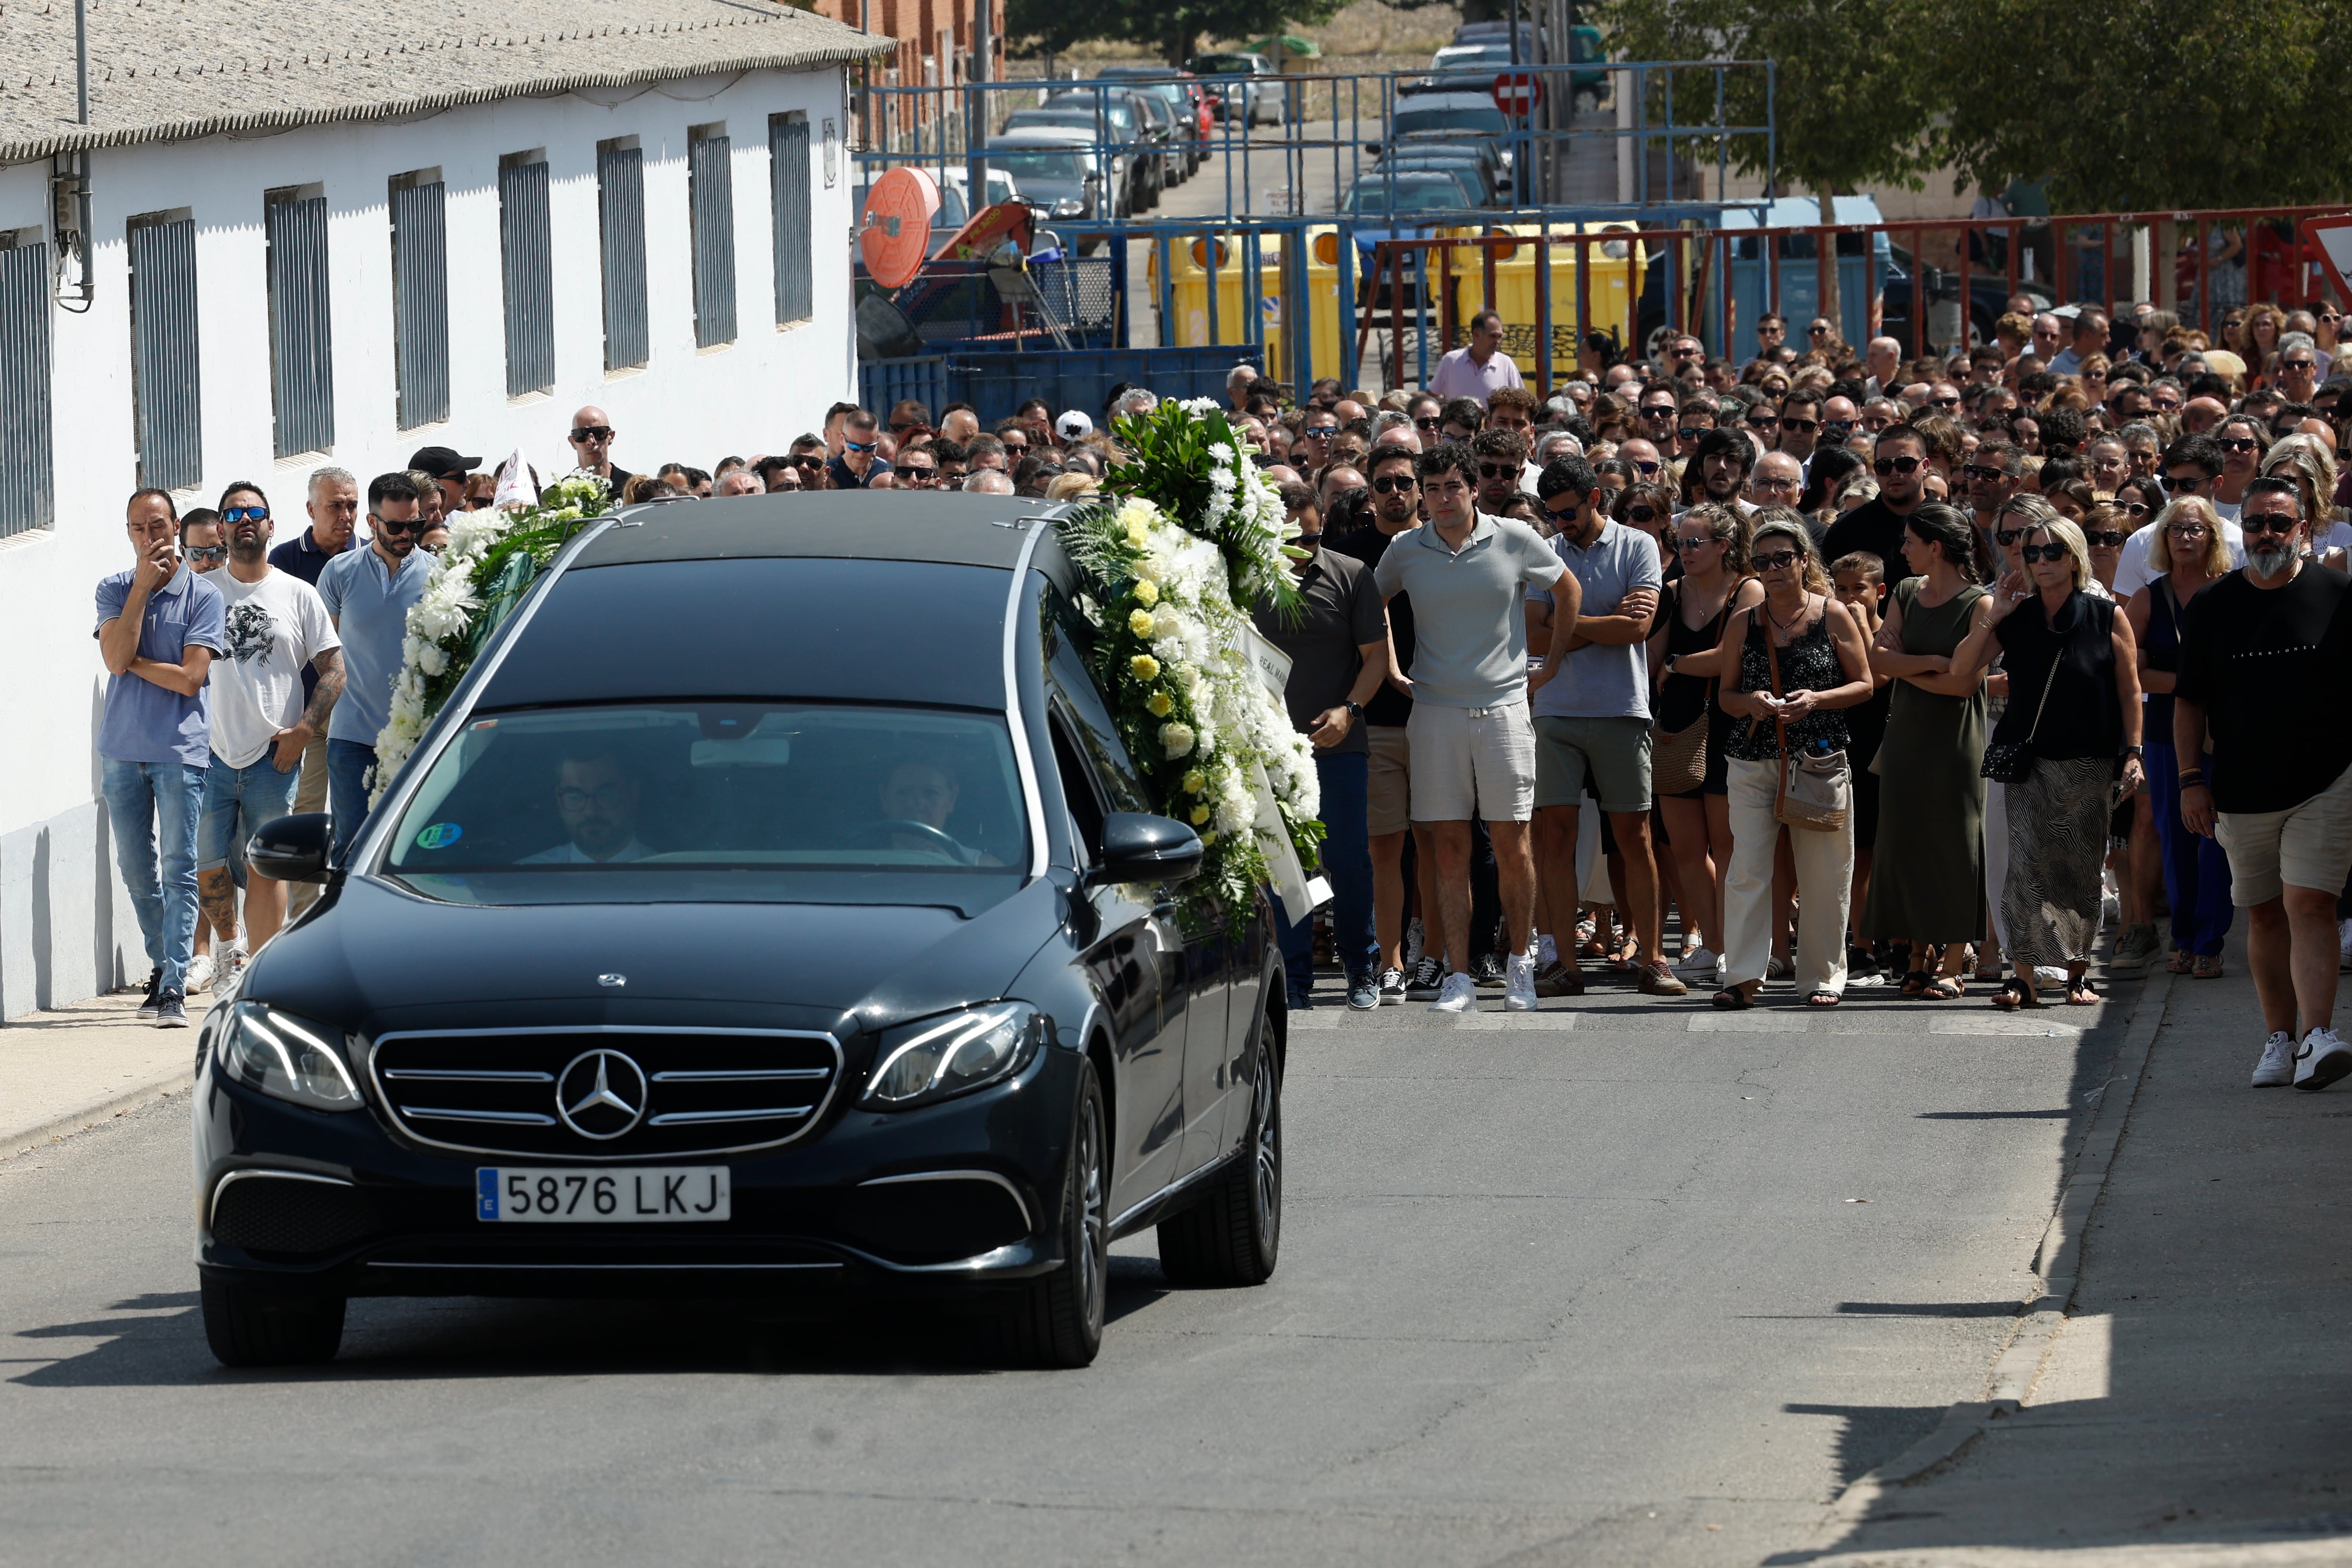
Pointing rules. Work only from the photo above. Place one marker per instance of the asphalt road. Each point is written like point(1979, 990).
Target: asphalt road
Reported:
point(1585, 1287)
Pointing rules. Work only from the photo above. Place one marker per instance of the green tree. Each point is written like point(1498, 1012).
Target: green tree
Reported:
point(1173, 30)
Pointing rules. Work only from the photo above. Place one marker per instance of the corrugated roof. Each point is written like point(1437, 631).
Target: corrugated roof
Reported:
point(168, 69)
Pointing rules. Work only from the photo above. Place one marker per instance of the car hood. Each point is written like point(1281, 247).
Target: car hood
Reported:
point(379, 957)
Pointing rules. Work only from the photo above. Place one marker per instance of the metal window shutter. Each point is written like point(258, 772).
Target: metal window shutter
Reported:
point(526, 244)
point(28, 499)
point(787, 145)
point(165, 399)
point(710, 192)
point(301, 338)
point(621, 211)
point(420, 304)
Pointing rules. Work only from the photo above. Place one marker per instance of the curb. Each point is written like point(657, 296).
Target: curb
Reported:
point(2058, 1263)
point(15, 1141)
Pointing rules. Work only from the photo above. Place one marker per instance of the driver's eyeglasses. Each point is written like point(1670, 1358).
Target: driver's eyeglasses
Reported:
point(593, 433)
point(605, 796)
point(2030, 554)
point(1390, 484)
point(1777, 560)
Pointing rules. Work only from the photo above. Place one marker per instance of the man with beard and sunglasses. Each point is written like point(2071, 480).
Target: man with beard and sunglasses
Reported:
point(1880, 525)
point(369, 592)
point(2257, 649)
point(275, 625)
point(1502, 463)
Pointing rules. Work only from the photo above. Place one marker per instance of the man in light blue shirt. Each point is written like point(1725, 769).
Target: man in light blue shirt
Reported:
point(159, 627)
point(1592, 707)
point(370, 593)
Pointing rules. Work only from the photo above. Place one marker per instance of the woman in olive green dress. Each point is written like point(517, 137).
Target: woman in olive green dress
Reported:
point(1926, 885)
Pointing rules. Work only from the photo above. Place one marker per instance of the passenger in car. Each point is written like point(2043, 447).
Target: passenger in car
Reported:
point(926, 793)
point(596, 796)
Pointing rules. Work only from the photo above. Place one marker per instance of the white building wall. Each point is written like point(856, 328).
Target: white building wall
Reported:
point(66, 929)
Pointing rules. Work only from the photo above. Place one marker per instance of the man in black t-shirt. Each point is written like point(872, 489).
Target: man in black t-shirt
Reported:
point(2258, 649)
point(1396, 508)
point(1900, 461)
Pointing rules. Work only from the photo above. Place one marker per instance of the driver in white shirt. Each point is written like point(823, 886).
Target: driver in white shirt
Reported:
point(596, 797)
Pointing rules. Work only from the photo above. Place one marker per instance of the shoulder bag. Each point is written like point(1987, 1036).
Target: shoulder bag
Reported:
point(2008, 761)
point(1678, 757)
point(1816, 792)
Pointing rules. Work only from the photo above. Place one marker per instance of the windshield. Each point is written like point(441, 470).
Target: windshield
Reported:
point(1222, 65)
point(1414, 194)
point(1116, 113)
point(795, 800)
point(1421, 122)
point(1039, 168)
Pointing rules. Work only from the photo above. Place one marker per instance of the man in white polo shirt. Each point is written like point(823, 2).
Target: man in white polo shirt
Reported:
point(1480, 369)
point(1472, 746)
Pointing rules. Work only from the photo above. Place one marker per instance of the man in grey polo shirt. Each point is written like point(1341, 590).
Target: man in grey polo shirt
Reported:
point(1473, 750)
point(1591, 704)
point(370, 593)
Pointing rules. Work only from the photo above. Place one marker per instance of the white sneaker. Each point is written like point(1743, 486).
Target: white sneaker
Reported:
point(2343, 944)
point(1519, 984)
point(1459, 995)
point(2276, 1070)
point(1548, 951)
point(200, 972)
point(234, 958)
point(1698, 961)
point(1414, 944)
point(2321, 1060)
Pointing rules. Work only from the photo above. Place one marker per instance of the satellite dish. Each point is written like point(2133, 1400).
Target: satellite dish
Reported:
point(896, 236)
point(884, 331)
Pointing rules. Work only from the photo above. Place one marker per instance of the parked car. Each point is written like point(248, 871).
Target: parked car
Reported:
point(1459, 119)
point(1469, 182)
point(1488, 179)
point(1261, 101)
point(1061, 174)
point(1113, 121)
point(1184, 101)
point(725, 937)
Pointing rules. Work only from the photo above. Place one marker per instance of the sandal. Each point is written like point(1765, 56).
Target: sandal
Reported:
point(1822, 999)
point(1943, 989)
point(2180, 962)
point(2208, 966)
point(1733, 997)
point(1914, 985)
point(2013, 995)
point(2079, 993)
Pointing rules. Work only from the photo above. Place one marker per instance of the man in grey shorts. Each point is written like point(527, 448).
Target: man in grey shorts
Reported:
point(1473, 750)
point(1592, 707)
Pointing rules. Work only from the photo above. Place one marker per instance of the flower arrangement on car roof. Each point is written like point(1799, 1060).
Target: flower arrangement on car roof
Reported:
point(1197, 538)
point(492, 558)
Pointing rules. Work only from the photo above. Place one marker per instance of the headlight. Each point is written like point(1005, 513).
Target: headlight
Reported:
point(934, 1059)
point(1069, 206)
point(286, 1057)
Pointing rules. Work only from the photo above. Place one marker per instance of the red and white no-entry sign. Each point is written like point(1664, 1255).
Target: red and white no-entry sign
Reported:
point(1518, 92)
point(2332, 237)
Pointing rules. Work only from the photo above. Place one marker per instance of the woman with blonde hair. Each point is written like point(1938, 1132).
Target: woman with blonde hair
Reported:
point(1790, 665)
point(2307, 460)
point(2073, 711)
point(1071, 487)
point(2196, 870)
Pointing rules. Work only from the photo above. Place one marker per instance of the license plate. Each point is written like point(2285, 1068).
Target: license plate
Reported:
point(556, 1195)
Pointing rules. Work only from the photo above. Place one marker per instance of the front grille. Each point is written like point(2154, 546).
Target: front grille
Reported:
point(264, 1213)
point(611, 1093)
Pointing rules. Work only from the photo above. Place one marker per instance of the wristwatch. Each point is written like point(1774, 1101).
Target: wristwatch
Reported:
point(1354, 713)
point(2135, 752)
point(1669, 666)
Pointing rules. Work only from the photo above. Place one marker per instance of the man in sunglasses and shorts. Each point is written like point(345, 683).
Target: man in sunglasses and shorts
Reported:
point(1899, 459)
point(367, 593)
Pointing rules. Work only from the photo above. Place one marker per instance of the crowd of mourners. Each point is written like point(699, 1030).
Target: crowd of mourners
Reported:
point(1829, 668)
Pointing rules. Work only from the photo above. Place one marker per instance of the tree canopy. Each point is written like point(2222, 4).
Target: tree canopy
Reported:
point(1172, 29)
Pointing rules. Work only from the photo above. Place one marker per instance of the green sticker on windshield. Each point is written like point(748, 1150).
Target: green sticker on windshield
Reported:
point(440, 836)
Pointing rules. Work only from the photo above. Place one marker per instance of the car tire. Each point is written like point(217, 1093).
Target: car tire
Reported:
point(248, 1327)
point(1058, 1321)
point(1233, 1234)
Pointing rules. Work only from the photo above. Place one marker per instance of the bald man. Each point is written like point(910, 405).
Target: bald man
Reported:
point(592, 447)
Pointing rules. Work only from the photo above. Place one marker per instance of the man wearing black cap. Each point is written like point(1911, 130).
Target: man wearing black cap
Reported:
point(449, 470)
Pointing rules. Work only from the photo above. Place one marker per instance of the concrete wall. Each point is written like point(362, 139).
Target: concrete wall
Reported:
point(66, 930)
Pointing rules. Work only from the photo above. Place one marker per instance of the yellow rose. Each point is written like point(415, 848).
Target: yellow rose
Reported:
point(1145, 666)
point(1137, 536)
point(1147, 592)
point(1195, 781)
point(1200, 814)
point(1209, 839)
point(1140, 622)
point(1159, 704)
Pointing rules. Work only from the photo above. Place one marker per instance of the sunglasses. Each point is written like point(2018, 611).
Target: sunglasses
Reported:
point(246, 513)
point(2168, 406)
point(2005, 537)
point(1779, 560)
point(1943, 403)
point(1642, 467)
point(1562, 513)
point(1819, 331)
point(395, 525)
point(2109, 537)
point(2184, 487)
point(1663, 412)
point(214, 554)
point(806, 460)
point(2298, 364)
point(1885, 466)
point(2270, 525)
point(849, 444)
point(1801, 427)
point(1689, 435)
point(1389, 484)
point(2235, 443)
point(2030, 554)
point(1688, 543)
point(1430, 423)
point(2137, 507)
point(1497, 470)
point(1837, 429)
point(1763, 422)
point(1323, 434)
point(593, 433)
point(1978, 474)
point(1642, 514)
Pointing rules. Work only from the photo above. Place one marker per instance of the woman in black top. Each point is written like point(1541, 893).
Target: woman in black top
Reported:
point(2073, 705)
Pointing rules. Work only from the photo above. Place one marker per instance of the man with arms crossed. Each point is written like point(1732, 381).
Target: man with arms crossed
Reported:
point(2255, 649)
point(1472, 748)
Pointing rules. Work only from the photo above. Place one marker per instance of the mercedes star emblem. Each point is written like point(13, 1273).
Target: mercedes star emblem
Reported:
point(601, 1094)
point(612, 979)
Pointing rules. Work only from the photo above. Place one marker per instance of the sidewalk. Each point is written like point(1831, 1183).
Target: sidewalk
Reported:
point(2196, 1408)
point(60, 1071)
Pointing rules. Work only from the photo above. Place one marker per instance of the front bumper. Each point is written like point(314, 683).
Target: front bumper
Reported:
point(955, 1198)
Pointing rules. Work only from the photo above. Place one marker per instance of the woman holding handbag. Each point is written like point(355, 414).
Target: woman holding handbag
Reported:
point(1928, 886)
point(1687, 759)
point(1790, 665)
point(2067, 749)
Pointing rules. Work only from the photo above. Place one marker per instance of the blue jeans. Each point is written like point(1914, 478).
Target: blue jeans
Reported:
point(1347, 855)
point(152, 808)
point(348, 765)
point(236, 802)
point(2196, 869)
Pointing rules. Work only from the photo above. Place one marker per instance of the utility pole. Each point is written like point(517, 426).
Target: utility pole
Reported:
point(975, 92)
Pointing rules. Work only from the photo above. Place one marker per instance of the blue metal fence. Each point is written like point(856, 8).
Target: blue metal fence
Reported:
point(997, 384)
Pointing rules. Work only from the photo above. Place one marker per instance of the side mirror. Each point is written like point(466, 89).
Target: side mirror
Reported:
point(293, 849)
point(1139, 848)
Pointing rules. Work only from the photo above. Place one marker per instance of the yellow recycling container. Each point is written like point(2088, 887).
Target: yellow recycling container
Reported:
point(1189, 277)
point(1616, 287)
